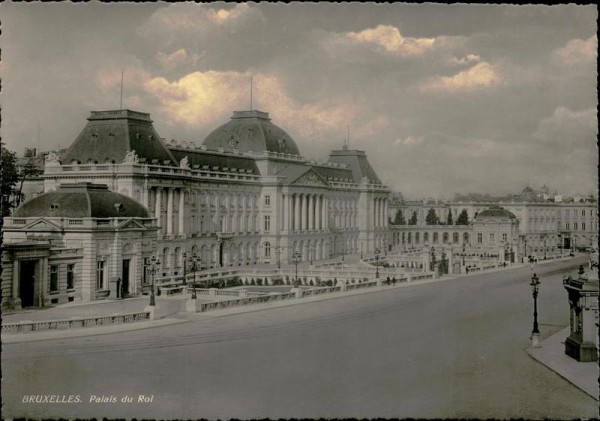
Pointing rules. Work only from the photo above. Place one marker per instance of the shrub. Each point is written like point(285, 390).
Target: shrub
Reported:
point(259, 281)
point(329, 283)
point(311, 283)
point(252, 282)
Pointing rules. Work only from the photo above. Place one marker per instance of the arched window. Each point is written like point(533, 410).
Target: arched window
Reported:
point(267, 249)
point(426, 237)
point(435, 238)
point(445, 237)
point(455, 238)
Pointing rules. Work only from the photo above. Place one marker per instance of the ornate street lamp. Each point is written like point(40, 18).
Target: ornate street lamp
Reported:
point(153, 269)
point(377, 253)
point(296, 258)
point(535, 333)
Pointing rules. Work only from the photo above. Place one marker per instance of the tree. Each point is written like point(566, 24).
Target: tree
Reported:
point(431, 218)
point(399, 220)
point(28, 169)
point(463, 218)
point(449, 221)
point(413, 219)
point(9, 177)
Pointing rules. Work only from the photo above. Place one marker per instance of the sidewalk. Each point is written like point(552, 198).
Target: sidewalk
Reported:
point(552, 355)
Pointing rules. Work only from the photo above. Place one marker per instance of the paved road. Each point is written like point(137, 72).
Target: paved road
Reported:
point(451, 349)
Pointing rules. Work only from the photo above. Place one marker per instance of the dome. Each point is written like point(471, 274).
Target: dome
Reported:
point(251, 131)
point(81, 200)
point(496, 213)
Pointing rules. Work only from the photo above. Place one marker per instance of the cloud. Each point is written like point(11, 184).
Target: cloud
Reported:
point(224, 16)
point(172, 60)
point(389, 38)
point(567, 129)
point(133, 78)
point(409, 140)
point(468, 59)
point(190, 23)
point(482, 75)
point(577, 51)
point(202, 99)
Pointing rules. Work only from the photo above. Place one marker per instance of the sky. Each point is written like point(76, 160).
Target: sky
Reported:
point(443, 98)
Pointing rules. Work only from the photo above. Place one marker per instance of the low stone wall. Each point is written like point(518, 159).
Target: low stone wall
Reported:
point(73, 323)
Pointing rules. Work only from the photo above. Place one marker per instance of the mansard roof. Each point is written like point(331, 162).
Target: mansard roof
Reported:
point(110, 135)
point(359, 164)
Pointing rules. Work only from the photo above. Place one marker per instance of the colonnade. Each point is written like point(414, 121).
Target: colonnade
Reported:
point(169, 192)
point(305, 211)
point(380, 210)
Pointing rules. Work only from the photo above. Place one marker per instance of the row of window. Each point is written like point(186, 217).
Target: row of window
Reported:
point(54, 272)
point(492, 237)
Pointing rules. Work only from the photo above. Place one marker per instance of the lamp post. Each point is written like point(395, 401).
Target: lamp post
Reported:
point(432, 251)
point(377, 253)
point(296, 258)
point(153, 269)
point(194, 260)
point(535, 333)
point(463, 253)
point(184, 267)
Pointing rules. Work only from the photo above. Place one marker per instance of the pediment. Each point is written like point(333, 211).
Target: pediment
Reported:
point(310, 178)
point(41, 225)
point(131, 224)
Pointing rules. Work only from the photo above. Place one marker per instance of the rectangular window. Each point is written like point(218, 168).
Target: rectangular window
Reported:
point(267, 200)
point(479, 238)
point(505, 237)
point(145, 276)
point(53, 278)
point(583, 226)
point(575, 226)
point(70, 276)
point(267, 223)
point(201, 224)
point(100, 275)
point(567, 225)
point(491, 237)
point(583, 212)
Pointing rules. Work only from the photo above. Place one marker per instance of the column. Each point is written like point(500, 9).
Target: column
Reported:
point(157, 206)
point(311, 220)
point(170, 211)
point(302, 212)
point(296, 212)
point(284, 199)
point(319, 212)
point(325, 212)
point(145, 194)
point(181, 211)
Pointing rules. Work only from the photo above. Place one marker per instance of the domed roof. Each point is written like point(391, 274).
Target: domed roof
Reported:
point(251, 131)
point(496, 213)
point(81, 200)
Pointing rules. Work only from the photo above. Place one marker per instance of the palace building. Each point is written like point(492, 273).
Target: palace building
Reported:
point(244, 196)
